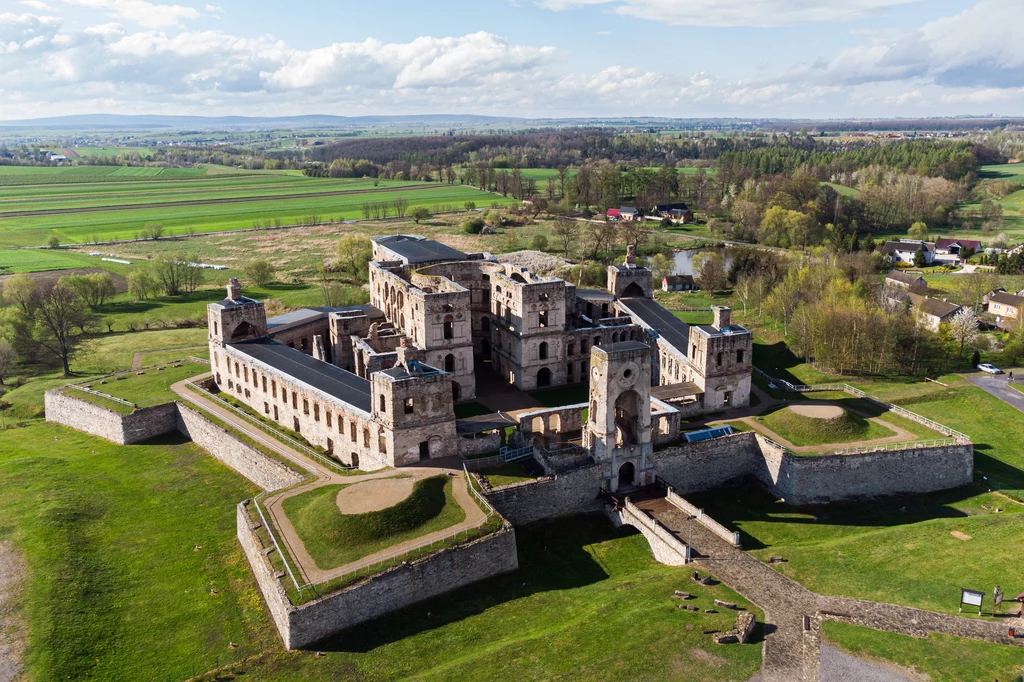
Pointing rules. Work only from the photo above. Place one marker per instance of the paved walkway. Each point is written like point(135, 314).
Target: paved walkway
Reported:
point(791, 644)
point(273, 505)
point(999, 386)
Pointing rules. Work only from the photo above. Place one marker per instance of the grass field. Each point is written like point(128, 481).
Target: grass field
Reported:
point(151, 386)
point(40, 260)
point(801, 430)
point(506, 474)
point(87, 203)
point(334, 539)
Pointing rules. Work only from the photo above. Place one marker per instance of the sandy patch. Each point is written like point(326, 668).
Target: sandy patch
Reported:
point(374, 495)
point(959, 536)
point(818, 411)
point(12, 631)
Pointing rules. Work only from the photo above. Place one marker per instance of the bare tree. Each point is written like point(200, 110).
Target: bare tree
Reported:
point(400, 206)
point(8, 358)
point(568, 231)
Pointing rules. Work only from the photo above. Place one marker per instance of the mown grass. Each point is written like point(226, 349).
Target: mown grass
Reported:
point(133, 563)
point(941, 658)
point(801, 430)
point(147, 387)
point(557, 397)
point(40, 260)
point(506, 474)
point(335, 539)
point(568, 613)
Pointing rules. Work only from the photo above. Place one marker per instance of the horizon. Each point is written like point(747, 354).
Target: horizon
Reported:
point(548, 59)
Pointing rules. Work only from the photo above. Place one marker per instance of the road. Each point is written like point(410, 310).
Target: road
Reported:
point(998, 385)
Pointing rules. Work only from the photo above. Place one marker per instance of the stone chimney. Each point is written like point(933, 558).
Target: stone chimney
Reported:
point(723, 316)
point(631, 256)
point(234, 289)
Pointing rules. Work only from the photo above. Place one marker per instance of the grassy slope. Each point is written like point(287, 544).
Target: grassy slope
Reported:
point(569, 613)
point(334, 539)
point(800, 430)
point(506, 474)
point(116, 590)
point(152, 387)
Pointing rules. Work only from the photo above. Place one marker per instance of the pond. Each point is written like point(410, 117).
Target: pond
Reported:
point(684, 259)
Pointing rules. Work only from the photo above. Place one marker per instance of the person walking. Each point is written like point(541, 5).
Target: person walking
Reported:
point(1011, 375)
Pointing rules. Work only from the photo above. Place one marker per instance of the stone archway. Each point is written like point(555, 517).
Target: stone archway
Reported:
point(627, 413)
point(543, 377)
point(627, 474)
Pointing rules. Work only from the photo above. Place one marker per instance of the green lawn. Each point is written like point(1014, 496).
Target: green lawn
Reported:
point(569, 613)
point(334, 539)
point(801, 430)
point(149, 386)
point(506, 474)
point(40, 260)
point(557, 397)
point(132, 557)
point(941, 658)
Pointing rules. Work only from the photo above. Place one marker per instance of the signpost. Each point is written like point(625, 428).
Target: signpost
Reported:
point(971, 598)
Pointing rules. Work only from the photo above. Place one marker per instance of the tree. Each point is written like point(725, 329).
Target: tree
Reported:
point(918, 230)
point(60, 315)
point(568, 232)
point(539, 243)
point(21, 291)
point(711, 274)
point(94, 288)
point(510, 241)
point(142, 283)
point(152, 231)
point(400, 205)
point(354, 255)
point(661, 267)
point(919, 259)
point(176, 275)
point(869, 243)
point(469, 205)
point(259, 272)
point(8, 359)
point(419, 213)
point(963, 329)
point(53, 242)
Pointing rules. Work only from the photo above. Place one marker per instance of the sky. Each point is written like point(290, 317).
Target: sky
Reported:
point(528, 58)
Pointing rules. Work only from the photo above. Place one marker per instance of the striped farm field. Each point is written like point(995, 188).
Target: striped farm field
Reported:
point(98, 203)
point(40, 260)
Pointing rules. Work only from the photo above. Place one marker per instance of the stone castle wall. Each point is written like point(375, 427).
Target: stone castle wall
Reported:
point(565, 494)
point(693, 467)
point(401, 586)
point(123, 429)
point(265, 472)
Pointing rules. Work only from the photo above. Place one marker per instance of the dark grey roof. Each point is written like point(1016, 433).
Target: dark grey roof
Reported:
point(623, 347)
point(419, 251)
point(652, 314)
point(594, 295)
point(296, 317)
point(1006, 298)
point(905, 277)
point(228, 303)
point(893, 246)
point(483, 423)
point(323, 376)
point(419, 369)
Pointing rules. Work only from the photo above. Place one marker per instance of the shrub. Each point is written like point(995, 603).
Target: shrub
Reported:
point(539, 243)
point(473, 225)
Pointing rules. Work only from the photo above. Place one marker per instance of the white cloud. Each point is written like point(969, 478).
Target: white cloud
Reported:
point(723, 13)
point(140, 12)
point(36, 5)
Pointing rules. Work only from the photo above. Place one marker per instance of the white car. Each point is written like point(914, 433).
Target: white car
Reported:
point(991, 369)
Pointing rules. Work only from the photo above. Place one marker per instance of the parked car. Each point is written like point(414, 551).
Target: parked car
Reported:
point(991, 369)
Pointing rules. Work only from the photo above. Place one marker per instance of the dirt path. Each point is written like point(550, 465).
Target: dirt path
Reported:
point(137, 361)
point(208, 202)
point(12, 630)
point(791, 643)
point(322, 476)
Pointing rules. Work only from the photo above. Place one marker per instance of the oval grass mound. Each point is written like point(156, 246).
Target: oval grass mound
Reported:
point(800, 429)
point(334, 539)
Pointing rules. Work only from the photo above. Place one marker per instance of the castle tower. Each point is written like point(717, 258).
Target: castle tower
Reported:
point(630, 280)
point(236, 318)
point(720, 356)
point(619, 423)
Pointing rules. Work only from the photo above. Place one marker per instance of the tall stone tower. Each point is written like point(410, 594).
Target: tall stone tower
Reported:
point(630, 280)
point(619, 423)
point(236, 318)
point(720, 356)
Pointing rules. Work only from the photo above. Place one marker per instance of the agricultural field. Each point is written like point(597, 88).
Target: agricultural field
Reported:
point(80, 204)
point(41, 260)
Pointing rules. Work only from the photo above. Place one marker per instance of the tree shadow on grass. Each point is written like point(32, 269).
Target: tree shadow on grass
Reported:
point(747, 502)
point(552, 556)
point(999, 474)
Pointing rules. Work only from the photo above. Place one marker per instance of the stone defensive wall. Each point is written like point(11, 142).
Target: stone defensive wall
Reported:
point(733, 538)
point(372, 597)
point(666, 548)
point(123, 429)
point(150, 422)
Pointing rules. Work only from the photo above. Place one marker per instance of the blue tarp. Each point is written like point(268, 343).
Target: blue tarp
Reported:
point(708, 434)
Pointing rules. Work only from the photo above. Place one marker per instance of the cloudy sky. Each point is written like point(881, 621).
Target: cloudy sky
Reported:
point(756, 58)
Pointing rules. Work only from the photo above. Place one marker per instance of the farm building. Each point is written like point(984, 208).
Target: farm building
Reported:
point(677, 211)
point(904, 250)
point(678, 283)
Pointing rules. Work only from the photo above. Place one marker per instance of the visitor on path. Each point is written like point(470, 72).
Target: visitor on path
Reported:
point(1011, 375)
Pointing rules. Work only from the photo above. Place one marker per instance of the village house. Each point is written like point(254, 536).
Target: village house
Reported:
point(954, 250)
point(678, 283)
point(933, 312)
point(677, 211)
point(1006, 307)
point(905, 280)
point(613, 214)
point(629, 213)
point(904, 250)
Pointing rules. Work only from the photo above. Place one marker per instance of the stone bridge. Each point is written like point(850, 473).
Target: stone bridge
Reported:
point(793, 614)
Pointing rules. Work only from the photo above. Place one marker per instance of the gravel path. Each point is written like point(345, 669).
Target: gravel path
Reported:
point(12, 632)
point(839, 667)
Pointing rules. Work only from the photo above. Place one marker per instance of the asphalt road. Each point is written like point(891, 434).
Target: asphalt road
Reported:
point(997, 385)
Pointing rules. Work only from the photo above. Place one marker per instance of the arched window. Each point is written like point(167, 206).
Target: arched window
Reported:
point(570, 349)
point(383, 404)
point(543, 351)
point(449, 327)
point(449, 363)
point(485, 324)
